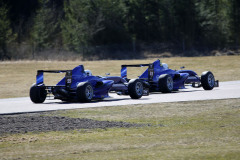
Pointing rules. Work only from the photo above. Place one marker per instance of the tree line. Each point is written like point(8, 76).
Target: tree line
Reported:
point(77, 25)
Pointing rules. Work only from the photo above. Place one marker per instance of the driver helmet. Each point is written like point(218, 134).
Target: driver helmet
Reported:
point(165, 66)
point(88, 72)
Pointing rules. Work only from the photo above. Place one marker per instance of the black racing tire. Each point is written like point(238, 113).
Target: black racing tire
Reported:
point(38, 94)
point(84, 92)
point(207, 80)
point(165, 83)
point(135, 88)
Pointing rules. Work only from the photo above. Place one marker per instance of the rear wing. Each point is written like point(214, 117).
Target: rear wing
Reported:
point(150, 69)
point(66, 81)
point(68, 76)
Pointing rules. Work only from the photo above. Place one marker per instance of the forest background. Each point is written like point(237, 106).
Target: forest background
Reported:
point(117, 29)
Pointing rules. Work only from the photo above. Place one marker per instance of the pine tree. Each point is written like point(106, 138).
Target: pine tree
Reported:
point(6, 35)
point(46, 29)
point(92, 22)
point(235, 22)
point(213, 20)
point(77, 30)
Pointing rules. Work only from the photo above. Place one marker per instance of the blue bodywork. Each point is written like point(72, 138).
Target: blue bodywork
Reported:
point(155, 69)
point(65, 89)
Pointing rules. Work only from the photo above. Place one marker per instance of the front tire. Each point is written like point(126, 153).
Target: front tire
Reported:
point(84, 92)
point(38, 94)
point(135, 88)
point(207, 80)
point(165, 83)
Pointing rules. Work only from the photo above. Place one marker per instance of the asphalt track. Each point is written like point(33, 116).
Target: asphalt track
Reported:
point(226, 90)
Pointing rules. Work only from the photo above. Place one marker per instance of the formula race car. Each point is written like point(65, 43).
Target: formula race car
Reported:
point(80, 85)
point(162, 79)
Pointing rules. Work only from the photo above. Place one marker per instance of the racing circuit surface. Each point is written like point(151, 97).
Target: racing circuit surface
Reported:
point(23, 105)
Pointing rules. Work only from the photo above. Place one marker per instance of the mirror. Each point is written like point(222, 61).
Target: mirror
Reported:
point(182, 67)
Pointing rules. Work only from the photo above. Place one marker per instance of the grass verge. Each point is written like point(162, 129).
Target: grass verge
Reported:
point(184, 130)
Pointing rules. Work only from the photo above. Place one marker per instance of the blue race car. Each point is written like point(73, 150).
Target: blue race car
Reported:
point(162, 79)
point(79, 85)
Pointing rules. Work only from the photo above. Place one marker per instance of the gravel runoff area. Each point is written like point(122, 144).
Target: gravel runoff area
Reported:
point(40, 123)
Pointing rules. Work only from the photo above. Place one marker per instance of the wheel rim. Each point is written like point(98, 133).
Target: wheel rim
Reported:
point(89, 92)
point(170, 83)
point(139, 88)
point(211, 80)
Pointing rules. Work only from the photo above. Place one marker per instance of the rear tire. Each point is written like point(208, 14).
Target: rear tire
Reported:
point(207, 80)
point(84, 92)
point(38, 94)
point(135, 88)
point(165, 83)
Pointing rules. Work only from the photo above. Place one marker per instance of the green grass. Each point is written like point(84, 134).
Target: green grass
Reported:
point(184, 130)
point(17, 77)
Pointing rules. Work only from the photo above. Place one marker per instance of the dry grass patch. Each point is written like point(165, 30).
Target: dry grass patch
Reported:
point(186, 130)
